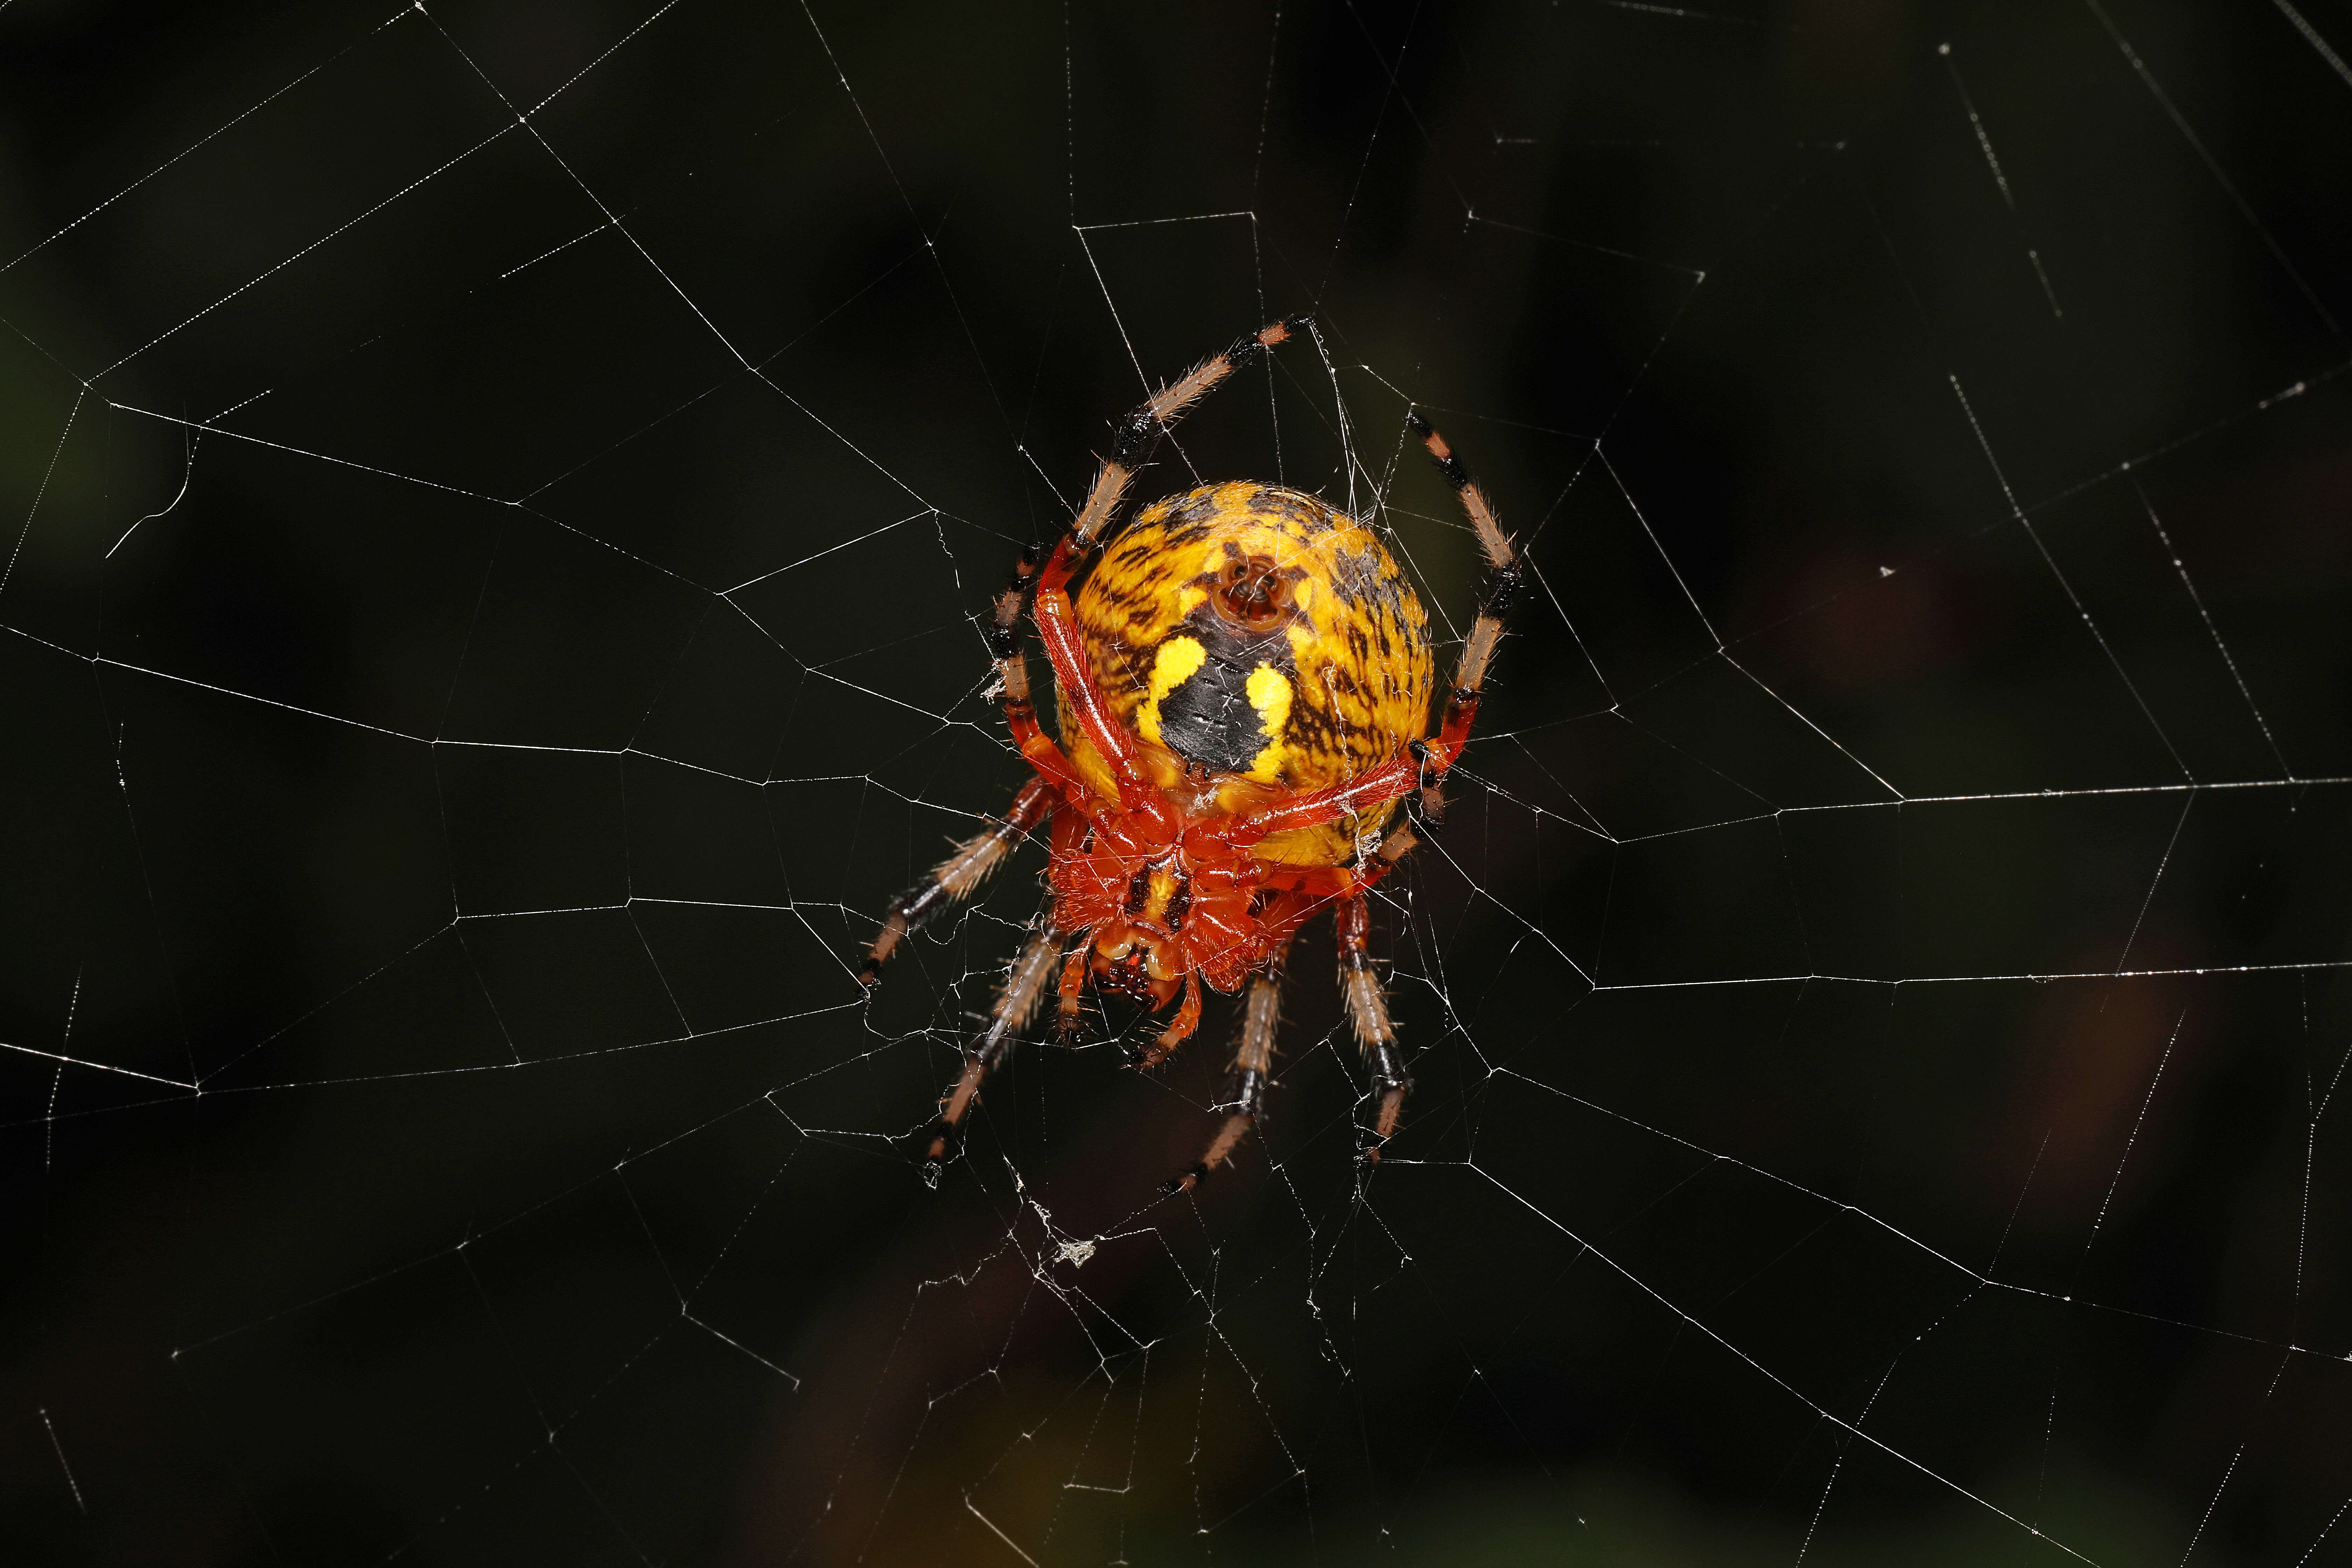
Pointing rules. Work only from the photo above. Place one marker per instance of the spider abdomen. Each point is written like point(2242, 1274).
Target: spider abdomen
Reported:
point(1254, 640)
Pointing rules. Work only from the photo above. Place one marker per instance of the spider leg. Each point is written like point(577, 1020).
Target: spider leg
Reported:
point(1246, 1089)
point(1505, 577)
point(1082, 697)
point(1367, 1009)
point(1423, 770)
point(1025, 986)
point(1070, 1011)
point(1137, 434)
point(1400, 842)
point(954, 877)
point(1003, 632)
point(1179, 1029)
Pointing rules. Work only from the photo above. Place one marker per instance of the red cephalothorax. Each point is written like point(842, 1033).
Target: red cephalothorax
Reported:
point(1244, 681)
point(1170, 912)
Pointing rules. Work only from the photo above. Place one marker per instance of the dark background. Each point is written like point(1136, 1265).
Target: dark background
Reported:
point(440, 1123)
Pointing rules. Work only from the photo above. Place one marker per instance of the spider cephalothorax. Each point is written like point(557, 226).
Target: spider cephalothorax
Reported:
point(1243, 681)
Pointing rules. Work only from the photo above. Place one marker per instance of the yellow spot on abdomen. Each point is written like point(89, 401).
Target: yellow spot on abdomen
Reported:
point(1269, 693)
point(1171, 667)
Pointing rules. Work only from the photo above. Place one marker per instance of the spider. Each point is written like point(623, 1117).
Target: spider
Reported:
point(1243, 681)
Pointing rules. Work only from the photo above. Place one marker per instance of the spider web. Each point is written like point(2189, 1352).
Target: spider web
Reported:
point(500, 496)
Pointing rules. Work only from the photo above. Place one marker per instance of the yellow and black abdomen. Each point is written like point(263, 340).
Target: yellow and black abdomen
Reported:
point(1256, 642)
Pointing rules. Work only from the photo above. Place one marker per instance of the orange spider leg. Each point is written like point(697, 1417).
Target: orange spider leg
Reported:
point(1071, 989)
point(956, 877)
point(1079, 692)
point(1038, 749)
point(1365, 793)
point(1179, 1029)
point(1308, 891)
point(1003, 631)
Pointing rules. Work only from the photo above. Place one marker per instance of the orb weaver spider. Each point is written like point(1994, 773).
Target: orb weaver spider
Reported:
point(1244, 684)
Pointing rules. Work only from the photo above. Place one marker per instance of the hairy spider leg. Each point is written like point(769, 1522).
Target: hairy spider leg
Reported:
point(1505, 577)
point(955, 878)
point(1024, 987)
point(1137, 435)
point(1245, 1101)
point(1367, 1003)
point(1139, 432)
point(1367, 1010)
point(1422, 769)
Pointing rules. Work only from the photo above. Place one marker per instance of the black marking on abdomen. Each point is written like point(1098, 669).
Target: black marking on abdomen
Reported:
point(1208, 720)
